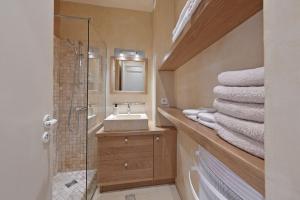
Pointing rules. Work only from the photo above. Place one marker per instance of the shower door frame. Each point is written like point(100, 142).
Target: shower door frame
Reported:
point(87, 19)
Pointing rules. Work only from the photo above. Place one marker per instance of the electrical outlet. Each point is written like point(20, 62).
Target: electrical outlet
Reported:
point(164, 101)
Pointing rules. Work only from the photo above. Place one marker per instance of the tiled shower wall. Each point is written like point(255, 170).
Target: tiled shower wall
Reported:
point(70, 94)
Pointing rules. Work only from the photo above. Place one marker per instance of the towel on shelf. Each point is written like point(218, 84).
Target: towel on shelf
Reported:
point(207, 110)
point(208, 117)
point(185, 15)
point(192, 117)
point(241, 94)
point(248, 77)
point(200, 110)
point(253, 130)
point(247, 111)
point(190, 112)
point(243, 142)
point(211, 125)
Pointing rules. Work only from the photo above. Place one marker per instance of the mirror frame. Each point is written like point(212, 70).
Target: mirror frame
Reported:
point(112, 80)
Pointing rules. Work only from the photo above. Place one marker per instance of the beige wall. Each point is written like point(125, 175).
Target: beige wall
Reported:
point(163, 22)
point(282, 53)
point(119, 28)
point(26, 59)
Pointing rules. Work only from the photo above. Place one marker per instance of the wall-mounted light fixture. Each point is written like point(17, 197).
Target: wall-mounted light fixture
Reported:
point(123, 54)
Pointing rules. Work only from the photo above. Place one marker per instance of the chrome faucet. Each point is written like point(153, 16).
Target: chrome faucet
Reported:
point(128, 108)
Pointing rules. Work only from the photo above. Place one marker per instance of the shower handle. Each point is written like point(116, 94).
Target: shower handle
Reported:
point(83, 108)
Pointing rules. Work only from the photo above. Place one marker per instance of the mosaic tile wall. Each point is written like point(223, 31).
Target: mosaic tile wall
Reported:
point(69, 97)
point(70, 94)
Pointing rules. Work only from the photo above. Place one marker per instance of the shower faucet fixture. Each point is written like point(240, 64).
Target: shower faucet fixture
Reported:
point(128, 108)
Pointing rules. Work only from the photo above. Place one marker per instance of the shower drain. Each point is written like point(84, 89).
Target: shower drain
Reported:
point(130, 197)
point(73, 182)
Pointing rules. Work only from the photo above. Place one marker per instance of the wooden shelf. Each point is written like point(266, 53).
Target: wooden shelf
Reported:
point(247, 166)
point(210, 22)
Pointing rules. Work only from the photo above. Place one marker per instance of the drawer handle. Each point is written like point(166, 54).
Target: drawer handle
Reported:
point(126, 140)
point(126, 165)
point(157, 138)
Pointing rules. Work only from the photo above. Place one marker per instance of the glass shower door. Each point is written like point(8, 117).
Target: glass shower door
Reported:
point(96, 104)
point(71, 44)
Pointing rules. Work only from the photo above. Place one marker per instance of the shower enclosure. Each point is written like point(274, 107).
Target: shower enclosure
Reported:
point(79, 106)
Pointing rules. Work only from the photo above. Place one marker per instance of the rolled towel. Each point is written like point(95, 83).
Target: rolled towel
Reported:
point(241, 94)
point(247, 111)
point(205, 123)
point(243, 142)
point(208, 117)
point(248, 77)
point(211, 125)
point(253, 130)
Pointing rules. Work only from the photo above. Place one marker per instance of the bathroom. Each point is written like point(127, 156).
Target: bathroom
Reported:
point(149, 99)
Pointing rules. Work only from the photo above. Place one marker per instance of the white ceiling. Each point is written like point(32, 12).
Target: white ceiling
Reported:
point(141, 5)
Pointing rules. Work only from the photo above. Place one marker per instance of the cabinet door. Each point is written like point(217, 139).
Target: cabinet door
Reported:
point(165, 156)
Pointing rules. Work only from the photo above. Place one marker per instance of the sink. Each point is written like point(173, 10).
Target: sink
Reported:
point(126, 122)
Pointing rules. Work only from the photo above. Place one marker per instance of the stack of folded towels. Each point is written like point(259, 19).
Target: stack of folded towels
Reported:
point(204, 116)
point(185, 15)
point(240, 109)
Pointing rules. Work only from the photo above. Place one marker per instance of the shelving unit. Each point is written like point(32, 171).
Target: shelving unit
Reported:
point(210, 22)
point(247, 166)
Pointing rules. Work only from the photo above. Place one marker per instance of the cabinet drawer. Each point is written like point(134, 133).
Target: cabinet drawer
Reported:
point(127, 147)
point(125, 170)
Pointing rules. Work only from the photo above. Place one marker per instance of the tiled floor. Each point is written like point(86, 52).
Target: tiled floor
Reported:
point(163, 192)
point(77, 191)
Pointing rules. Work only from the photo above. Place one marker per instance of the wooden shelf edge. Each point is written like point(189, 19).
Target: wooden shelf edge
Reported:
point(247, 166)
point(212, 20)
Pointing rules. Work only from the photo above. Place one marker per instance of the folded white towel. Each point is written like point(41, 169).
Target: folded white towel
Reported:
point(185, 15)
point(192, 117)
point(182, 15)
point(190, 112)
point(247, 111)
point(208, 117)
point(200, 110)
point(249, 77)
point(207, 110)
point(251, 129)
point(241, 94)
point(243, 142)
point(211, 125)
point(205, 123)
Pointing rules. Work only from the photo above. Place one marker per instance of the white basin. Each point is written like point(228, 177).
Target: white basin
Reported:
point(126, 122)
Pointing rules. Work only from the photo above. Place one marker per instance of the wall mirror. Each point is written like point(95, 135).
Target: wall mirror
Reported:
point(128, 75)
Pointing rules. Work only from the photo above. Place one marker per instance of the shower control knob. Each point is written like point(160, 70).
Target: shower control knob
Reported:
point(45, 137)
point(126, 165)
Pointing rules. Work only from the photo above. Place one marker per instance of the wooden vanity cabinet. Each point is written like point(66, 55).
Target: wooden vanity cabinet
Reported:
point(132, 159)
point(165, 157)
